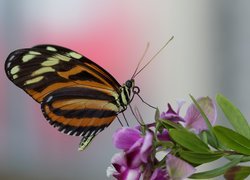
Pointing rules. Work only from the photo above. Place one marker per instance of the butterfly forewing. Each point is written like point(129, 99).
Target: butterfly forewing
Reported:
point(76, 95)
point(39, 71)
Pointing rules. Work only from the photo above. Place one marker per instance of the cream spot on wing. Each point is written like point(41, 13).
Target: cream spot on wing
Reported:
point(28, 57)
point(12, 57)
point(49, 98)
point(34, 80)
point(8, 65)
point(50, 62)
point(52, 59)
point(14, 70)
point(34, 53)
point(15, 76)
point(42, 71)
point(63, 58)
point(75, 55)
point(50, 48)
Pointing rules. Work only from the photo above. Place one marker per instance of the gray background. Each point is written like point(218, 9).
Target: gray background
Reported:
point(210, 54)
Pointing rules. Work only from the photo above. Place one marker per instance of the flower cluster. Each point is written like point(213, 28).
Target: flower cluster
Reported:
point(174, 145)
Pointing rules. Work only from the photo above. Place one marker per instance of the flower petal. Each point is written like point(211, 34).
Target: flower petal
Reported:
point(133, 155)
point(159, 174)
point(119, 161)
point(146, 147)
point(124, 138)
point(180, 104)
point(111, 171)
point(164, 136)
point(193, 118)
point(177, 168)
point(171, 115)
point(120, 168)
point(129, 174)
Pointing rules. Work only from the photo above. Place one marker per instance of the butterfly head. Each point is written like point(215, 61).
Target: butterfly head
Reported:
point(131, 88)
point(130, 83)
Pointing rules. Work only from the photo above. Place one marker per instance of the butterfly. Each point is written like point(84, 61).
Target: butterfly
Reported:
point(77, 96)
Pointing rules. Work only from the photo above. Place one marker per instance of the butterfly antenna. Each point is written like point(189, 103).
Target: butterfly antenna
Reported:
point(144, 53)
point(165, 45)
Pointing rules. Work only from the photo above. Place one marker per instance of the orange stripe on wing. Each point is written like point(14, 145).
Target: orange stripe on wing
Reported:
point(83, 103)
point(38, 96)
point(99, 70)
point(83, 122)
point(78, 69)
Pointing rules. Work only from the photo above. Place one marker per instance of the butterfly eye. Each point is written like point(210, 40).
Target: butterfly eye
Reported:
point(129, 83)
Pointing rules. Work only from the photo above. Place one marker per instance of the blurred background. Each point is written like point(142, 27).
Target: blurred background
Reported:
point(209, 54)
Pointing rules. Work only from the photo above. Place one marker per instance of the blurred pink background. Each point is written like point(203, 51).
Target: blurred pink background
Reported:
point(210, 54)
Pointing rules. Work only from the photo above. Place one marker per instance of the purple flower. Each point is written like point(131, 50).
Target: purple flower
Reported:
point(164, 136)
point(159, 174)
point(171, 115)
point(137, 150)
point(193, 118)
point(177, 168)
point(121, 169)
point(125, 138)
point(139, 159)
point(136, 146)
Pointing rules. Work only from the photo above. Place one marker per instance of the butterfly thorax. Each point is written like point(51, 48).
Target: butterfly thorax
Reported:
point(124, 97)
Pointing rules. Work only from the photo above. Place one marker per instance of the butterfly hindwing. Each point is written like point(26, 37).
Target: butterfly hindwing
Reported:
point(76, 95)
point(78, 110)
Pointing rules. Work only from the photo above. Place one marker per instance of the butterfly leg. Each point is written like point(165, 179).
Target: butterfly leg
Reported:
point(125, 118)
point(124, 109)
point(119, 120)
point(134, 114)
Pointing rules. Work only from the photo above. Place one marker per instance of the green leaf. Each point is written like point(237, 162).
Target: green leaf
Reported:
point(234, 116)
point(199, 158)
point(188, 140)
point(165, 145)
point(157, 114)
point(216, 172)
point(204, 136)
point(209, 138)
point(170, 124)
point(232, 140)
point(238, 172)
point(243, 159)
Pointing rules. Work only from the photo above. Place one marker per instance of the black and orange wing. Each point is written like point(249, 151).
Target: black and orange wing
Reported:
point(76, 95)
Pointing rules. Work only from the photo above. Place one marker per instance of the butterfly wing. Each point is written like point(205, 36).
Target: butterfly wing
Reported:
point(45, 68)
point(79, 110)
point(76, 95)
